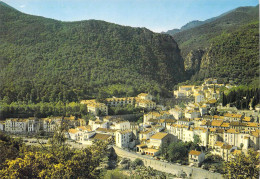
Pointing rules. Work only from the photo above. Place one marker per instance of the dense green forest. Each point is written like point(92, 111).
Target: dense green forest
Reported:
point(47, 60)
point(233, 56)
point(199, 37)
point(41, 109)
point(226, 47)
point(242, 98)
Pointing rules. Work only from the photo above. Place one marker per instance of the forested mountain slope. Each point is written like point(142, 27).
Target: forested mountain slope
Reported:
point(233, 56)
point(231, 38)
point(47, 60)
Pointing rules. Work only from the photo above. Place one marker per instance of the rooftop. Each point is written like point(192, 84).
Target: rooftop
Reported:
point(159, 135)
point(194, 152)
point(103, 137)
point(73, 131)
point(216, 123)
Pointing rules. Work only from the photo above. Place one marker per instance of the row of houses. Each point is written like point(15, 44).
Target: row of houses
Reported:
point(143, 100)
point(34, 125)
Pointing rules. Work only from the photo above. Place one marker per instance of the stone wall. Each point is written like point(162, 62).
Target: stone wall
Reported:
point(195, 173)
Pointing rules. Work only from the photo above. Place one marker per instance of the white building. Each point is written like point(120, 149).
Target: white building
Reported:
point(177, 113)
point(145, 96)
point(196, 157)
point(199, 98)
point(124, 138)
point(122, 125)
point(191, 114)
point(2, 125)
point(16, 125)
point(33, 125)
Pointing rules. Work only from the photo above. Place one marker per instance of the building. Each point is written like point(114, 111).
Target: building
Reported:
point(199, 98)
point(124, 138)
point(113, 102)
point(94, 107)
point(33, 125)
point(191, 114)
point(74, 134)
point(2, 125)
point(145, 96)
point(196, 157)
point(158, 138)
point(51, 124)
point(176, 112)
point(16, 125)
point(145, 135)
point(122, 125)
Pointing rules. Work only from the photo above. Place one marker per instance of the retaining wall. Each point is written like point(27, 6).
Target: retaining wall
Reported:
point(195, 173)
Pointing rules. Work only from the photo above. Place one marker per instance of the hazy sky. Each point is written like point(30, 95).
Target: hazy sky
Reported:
point(156, 15)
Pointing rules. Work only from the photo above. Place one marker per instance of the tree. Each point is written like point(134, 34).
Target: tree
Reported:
point(224, 99)
point(177, 151)
point(163, 149)
point(243, 166)
point(56, 161)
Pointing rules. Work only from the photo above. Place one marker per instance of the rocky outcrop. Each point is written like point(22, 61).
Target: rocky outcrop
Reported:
point(192, 61)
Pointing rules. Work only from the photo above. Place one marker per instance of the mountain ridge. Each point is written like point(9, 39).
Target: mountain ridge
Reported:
point(48, 60)
point(196, 23)
point(199, 43)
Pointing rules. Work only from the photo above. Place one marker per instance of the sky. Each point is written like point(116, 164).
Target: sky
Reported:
point(156, 15)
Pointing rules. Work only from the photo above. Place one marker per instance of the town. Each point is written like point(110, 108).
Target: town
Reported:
point(199, 117)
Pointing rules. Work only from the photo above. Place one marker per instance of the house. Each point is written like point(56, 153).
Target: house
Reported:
point(146, 104)
point(254, 140)
point(216, 123)
point(146, 134)
point(176, 112)
point(74, 134)
point(196, 157)
point(145, 96)
point(252, 126)
point(106, 131)
point(215, 136)
point(71, 121)
point(203, 110)
point(223, 150)
point(158, 138)
point(102, 137)
point(199, 98)
point(257, 107)
point(113, 102)
point(191, 114)
point(122, 125)
point(184, 121)
point(203, 135)
point(124, 138)
point(233, 117)
point(16, 125)
point(94, 107)
point(143, 149)
point(237, 138)
point(151, 151)
point(2, 125)
point(33, 125)
point(155, 115)
point(51, 124)
point(188, 135)
point(98, 124)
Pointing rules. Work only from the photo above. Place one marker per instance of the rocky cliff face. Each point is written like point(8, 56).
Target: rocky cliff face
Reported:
point(227, 46)
point(192, 62)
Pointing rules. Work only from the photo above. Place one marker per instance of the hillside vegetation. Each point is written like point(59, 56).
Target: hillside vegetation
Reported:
point(226, 47)
point(199, 37)
point(47, 60)
point(233, 56)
